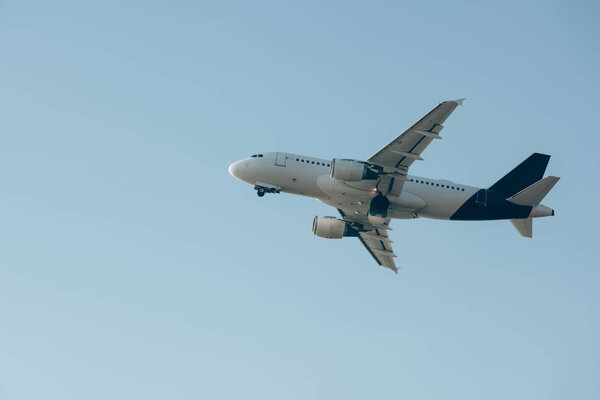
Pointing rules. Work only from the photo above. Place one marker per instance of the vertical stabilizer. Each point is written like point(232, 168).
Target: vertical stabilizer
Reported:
point(523, 175)
point(524, 226)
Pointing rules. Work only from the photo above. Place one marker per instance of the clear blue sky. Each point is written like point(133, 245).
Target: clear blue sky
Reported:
point(133, 266)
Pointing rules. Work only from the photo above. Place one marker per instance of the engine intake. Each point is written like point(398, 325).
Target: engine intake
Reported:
point(332, 228)
point(350, 170)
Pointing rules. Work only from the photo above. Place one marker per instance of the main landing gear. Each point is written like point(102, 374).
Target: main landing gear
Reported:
point(260, 192)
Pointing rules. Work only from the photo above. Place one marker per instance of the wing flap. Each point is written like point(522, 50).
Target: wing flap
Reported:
point(379, 246)
point(374, 238)
point(398, 155)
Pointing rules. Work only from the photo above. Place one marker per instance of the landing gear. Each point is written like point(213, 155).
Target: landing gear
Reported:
point(266, 188)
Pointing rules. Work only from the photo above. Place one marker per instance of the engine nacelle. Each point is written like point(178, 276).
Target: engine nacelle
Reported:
point(350, 171)
point(332, 228)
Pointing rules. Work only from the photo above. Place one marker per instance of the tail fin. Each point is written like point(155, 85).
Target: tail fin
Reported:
point(534, 194)
point(524, 226)
point(523, 175)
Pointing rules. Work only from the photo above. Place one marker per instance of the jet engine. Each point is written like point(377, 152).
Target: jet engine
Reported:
point(350, 170)
point(332, 228)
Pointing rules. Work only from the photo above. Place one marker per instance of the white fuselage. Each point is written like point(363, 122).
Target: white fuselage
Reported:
point(309, 176)
point(369, 193)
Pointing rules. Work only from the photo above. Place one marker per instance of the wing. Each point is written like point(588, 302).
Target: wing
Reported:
point(376, 241)
point(401, 152)
point(379, 245)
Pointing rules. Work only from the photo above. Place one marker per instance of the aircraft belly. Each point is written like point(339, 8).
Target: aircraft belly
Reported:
point(291, 180)
point(303, 183)
point(406, 200)
point(441, 210)
point(441, 204)
point(400, 213)
point(415, 200)
point(357, 197)
point(340, 191)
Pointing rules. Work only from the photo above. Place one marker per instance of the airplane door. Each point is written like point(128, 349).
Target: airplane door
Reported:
point(481, 198)
point(280, 159)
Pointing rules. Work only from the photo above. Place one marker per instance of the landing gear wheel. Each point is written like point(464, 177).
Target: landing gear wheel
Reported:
point(260, 192)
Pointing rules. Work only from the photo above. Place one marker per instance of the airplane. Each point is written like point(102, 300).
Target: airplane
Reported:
point(369, 193)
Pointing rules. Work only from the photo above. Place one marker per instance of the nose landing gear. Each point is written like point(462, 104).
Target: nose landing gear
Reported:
point(262, 188)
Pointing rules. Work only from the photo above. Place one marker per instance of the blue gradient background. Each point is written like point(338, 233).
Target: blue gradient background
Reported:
point(133, 266)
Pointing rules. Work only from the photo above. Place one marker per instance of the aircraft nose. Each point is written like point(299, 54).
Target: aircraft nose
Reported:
point(240, 170)
point(234, 169)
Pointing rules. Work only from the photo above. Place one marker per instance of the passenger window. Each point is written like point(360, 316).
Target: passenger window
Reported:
point(297, 159)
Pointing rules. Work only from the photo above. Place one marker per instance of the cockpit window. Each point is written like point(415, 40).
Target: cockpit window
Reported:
point(254, 155)
point(260, 155)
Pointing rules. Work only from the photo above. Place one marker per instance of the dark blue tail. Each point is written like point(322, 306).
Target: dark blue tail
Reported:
point(523, 175)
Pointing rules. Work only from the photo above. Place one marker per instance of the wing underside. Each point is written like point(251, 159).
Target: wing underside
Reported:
point(379, 245)
point(394, 160)
point(375, 239)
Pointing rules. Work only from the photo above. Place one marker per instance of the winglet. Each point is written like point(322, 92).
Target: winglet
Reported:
point(459, 101)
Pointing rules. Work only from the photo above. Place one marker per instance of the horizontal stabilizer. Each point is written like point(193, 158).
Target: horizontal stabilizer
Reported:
point(533, 195)
point(524, 226)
